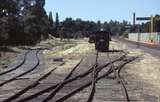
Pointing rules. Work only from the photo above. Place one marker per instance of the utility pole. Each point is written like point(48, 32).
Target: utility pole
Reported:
point(139, 36)
point(152, 30)
point(138, 28)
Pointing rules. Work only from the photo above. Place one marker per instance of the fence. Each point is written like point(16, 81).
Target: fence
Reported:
point(145, 37)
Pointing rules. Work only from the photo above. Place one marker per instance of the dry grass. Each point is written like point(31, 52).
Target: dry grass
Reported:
point(70, 50)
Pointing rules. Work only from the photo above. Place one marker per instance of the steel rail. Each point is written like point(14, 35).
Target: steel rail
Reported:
point(16, 67)
point(68, 80)
point(60, 85)
point(24, 73)
point(90, 82)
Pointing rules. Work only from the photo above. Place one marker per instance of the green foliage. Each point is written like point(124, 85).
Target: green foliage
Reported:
point(51, 24)
point(157, 23)
point(76, 28)
point(116, 28)
point(56, 26)
point(8, 7)
point(79, 28)
point(23, 22)
point(3, 30)
point(99, 25)
point(26, 22)
point(8, 19)
point(50, 19)
point(36, 24)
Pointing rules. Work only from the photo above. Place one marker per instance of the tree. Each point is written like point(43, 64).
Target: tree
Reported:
point(9, 13)
point(3, 31)
point(99, 24)
point(51, 24)
point(57, 26)
point(157, 23)
point(8, 7)
point(36, 23)
point(23, 21)
point(50, 19)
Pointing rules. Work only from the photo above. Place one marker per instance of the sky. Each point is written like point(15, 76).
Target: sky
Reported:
point(103, 10)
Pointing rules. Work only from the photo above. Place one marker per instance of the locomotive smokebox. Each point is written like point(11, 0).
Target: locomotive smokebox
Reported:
point(102, 39)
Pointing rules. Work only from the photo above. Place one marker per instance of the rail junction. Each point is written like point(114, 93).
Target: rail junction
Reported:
point(93, 78)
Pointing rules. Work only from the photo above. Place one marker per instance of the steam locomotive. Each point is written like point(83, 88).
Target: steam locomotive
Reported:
point(101, 39)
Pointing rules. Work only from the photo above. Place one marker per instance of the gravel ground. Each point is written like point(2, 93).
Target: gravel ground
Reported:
point(141, 76)
point(143, 73)
point(146, 69)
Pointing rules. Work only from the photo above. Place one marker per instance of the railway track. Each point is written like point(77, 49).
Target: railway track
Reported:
point(24, 72)
point(91, 76)
point(118, 78)
point(88, 84)
point(17, 66)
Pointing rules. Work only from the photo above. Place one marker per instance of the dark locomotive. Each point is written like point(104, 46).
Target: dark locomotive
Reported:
point(92, 38)
point(101, 40)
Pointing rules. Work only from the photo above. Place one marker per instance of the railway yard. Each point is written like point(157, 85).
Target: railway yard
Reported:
point(74, 72)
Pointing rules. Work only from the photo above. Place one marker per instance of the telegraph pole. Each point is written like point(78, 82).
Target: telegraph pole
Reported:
point(139, 36)
point(152, 30)
point(138, 30)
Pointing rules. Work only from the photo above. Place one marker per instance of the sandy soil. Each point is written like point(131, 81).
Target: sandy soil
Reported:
point(146, 69)
point(71, 54)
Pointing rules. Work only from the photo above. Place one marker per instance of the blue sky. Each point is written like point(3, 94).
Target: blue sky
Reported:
point(103, 10)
